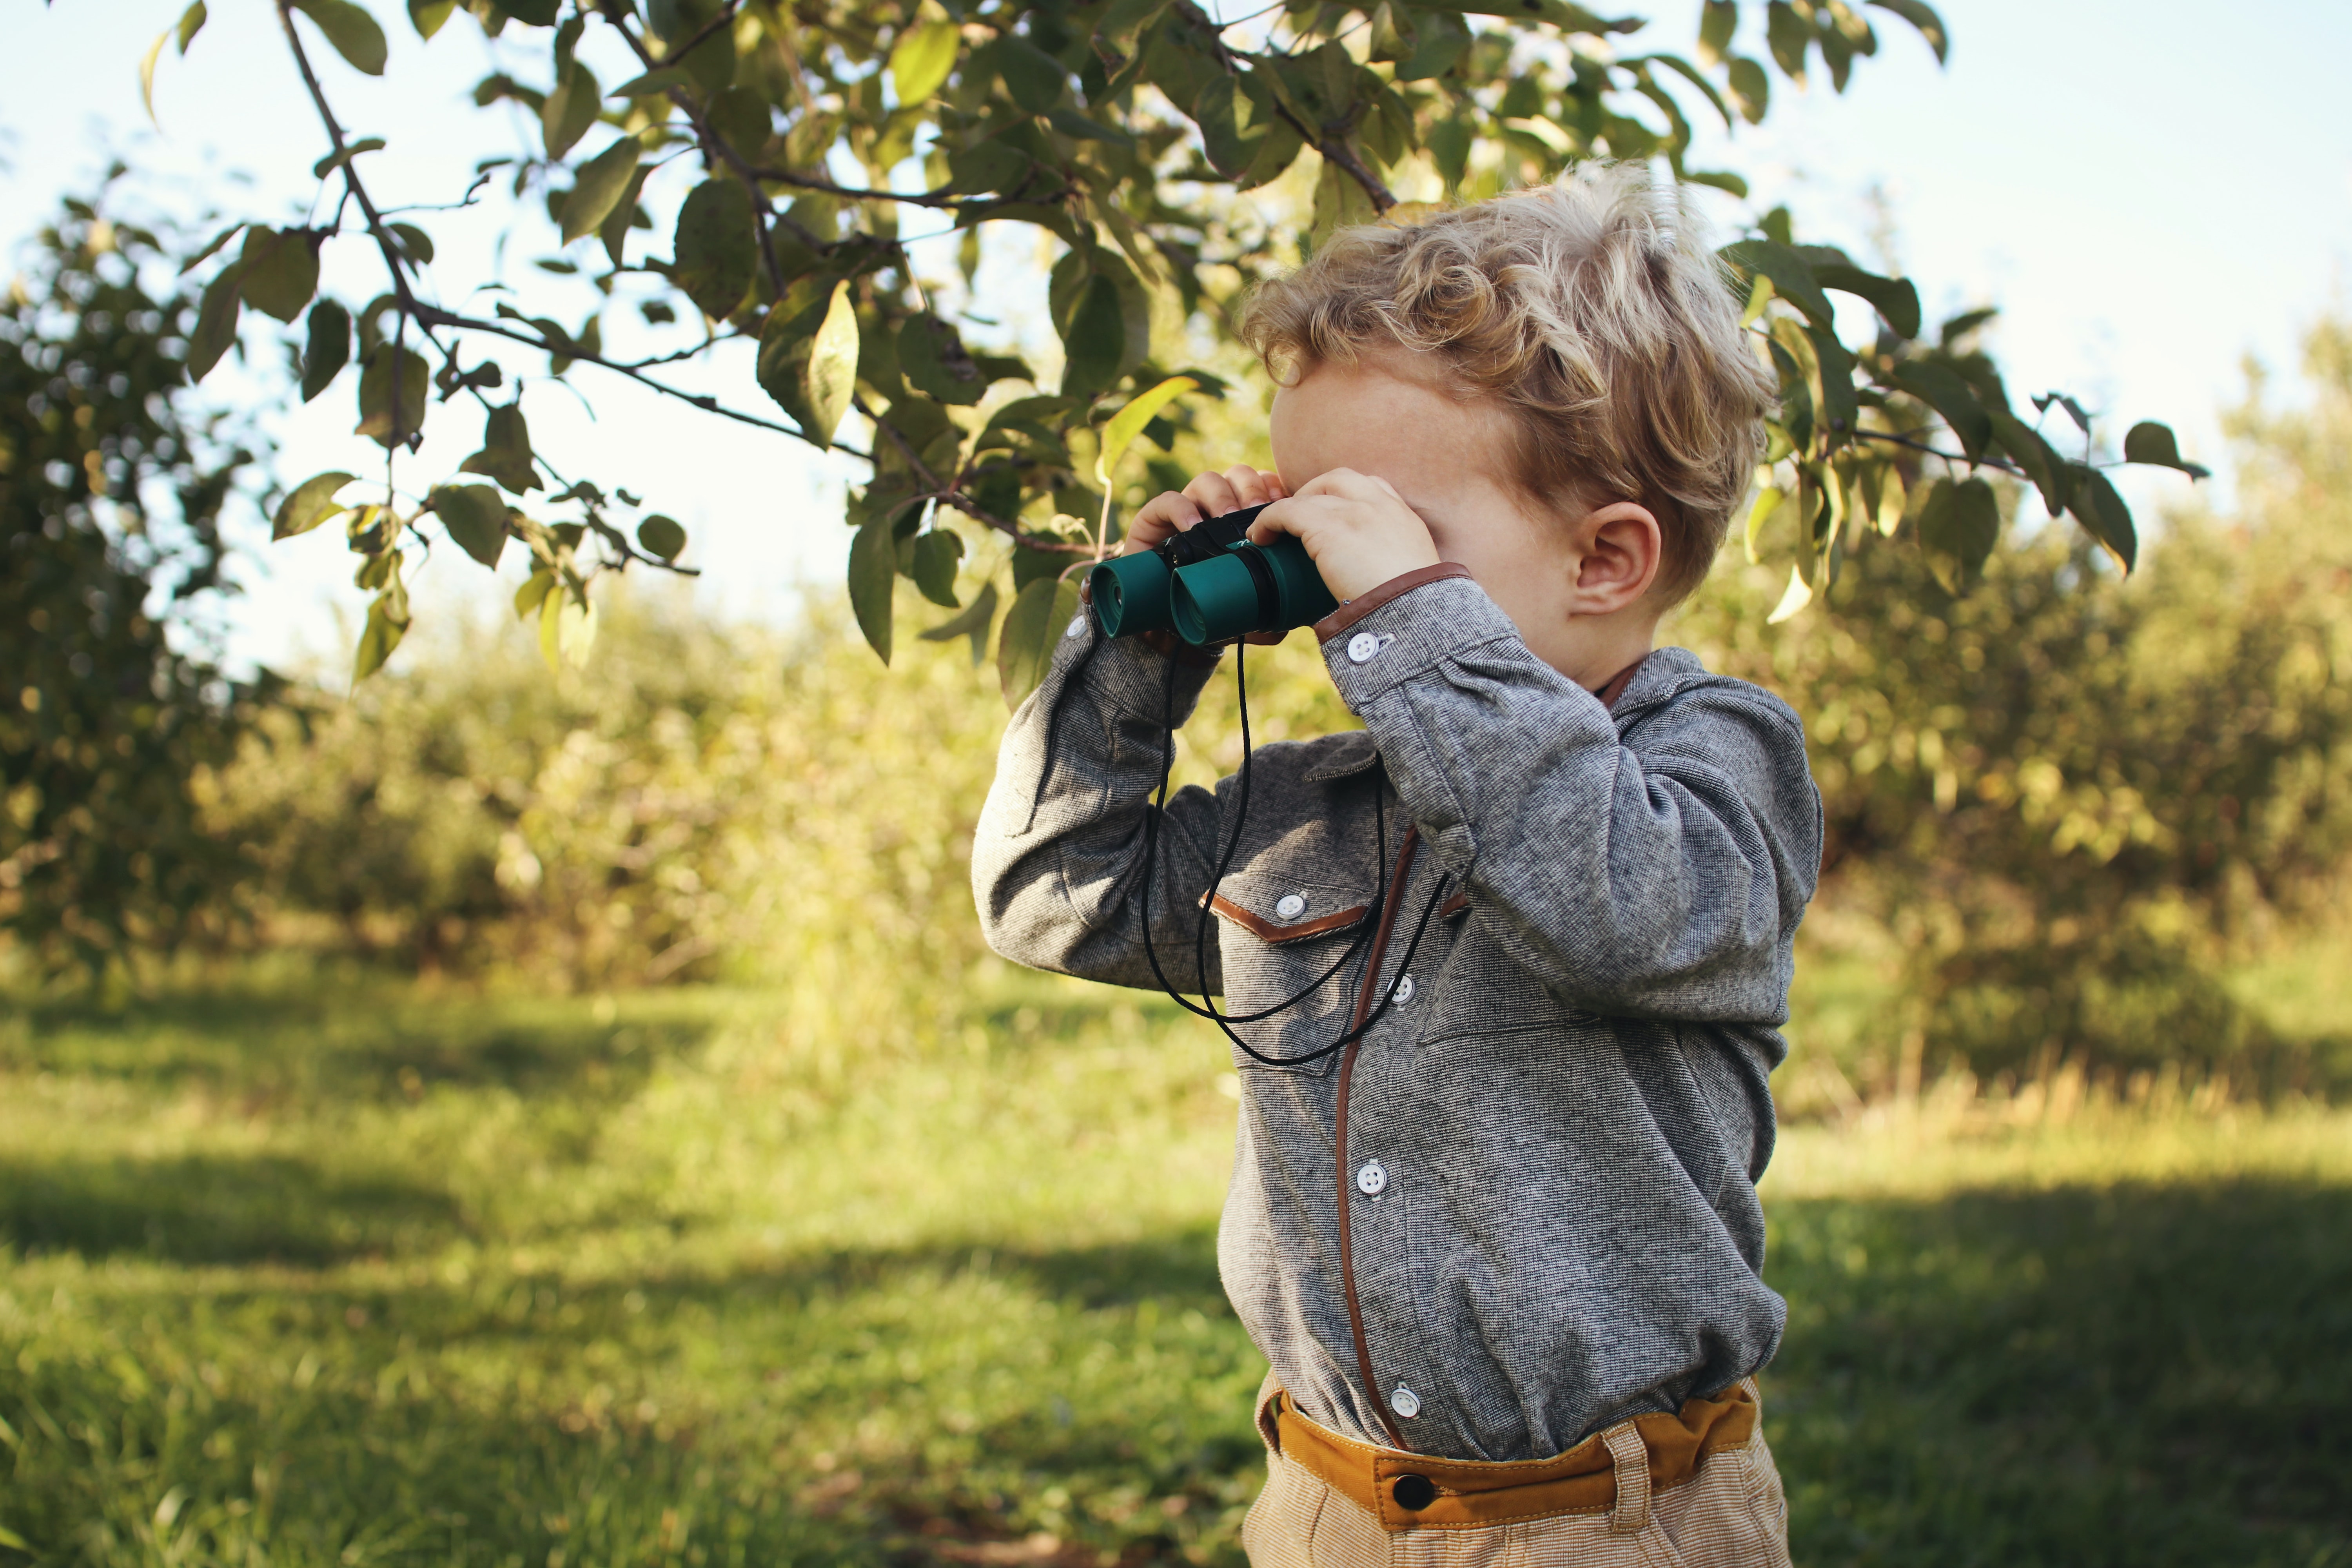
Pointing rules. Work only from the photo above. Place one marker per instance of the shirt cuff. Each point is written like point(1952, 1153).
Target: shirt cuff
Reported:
point(1364, 604)
point(1132, 676)
point(1397, 641)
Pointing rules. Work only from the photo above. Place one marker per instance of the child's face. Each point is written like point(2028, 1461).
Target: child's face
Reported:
point(1448, 458)
point(1574, 581)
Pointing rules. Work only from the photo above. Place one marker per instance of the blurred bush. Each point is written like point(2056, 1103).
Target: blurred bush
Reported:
point(111, 486)
point(2072, 800)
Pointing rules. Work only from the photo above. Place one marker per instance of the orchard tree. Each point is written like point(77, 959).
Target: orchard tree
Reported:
point(792, 138)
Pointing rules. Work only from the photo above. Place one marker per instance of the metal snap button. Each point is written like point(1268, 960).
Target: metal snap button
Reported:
point(1289, 907)
point(1405, 1402)
point(1413, 1492)
point(1362, 645)
point(1372, 1179)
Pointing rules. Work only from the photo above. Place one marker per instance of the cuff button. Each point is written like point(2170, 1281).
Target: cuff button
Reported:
point(1362, 646)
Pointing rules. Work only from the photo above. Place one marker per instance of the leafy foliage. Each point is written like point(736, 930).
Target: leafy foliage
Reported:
point(2072, 797)
point(802, 138)
point(110, 497)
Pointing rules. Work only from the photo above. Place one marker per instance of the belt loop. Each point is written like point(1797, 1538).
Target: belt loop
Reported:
point(1630, 1514)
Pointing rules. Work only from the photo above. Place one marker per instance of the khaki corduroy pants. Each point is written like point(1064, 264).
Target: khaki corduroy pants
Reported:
point(1728, 1512)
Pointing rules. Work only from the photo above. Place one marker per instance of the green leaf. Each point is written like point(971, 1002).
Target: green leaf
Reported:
point(1792, 275)
point(786, 338)
point(1041, 613)
point(615, 232)
point(1716, 24)
point(311, 503)
point(2026, 447)
point(212, 249)
point(1768, 502)
point(327, 349)
point(1035, 79)
point(1895, 299)
point(937, 554)
point(569, 110)
point(413, 242)
point(833, 371)
point(1096, 338)
point(351, 30)
point(13, 1541)
point(281, 271)
point(530, 13)
point(974, 623)
point(476, 516)
point(427, 15)
point(387, 623)
point(192, 22)
point(506, 454)
point(2149, 442)
point(1959, 526)
point(216, 329)
point(718, 248)
point(334, 160)
point(1942, 389)
point(1922, 17)
point(1340, 203)
point(662, 536)
point(599, 186)
point(932, 358)
point(922, 60)
point(654, 82)
point(1129, 422)
point(873, 574)
point(1789, 35)
point(2103, 515)
point(1750, 89)
point(379, 418)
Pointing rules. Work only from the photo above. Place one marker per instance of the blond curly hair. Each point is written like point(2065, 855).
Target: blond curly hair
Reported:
point(1593, 309)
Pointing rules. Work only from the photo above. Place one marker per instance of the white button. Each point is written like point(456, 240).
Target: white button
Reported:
point(1405, 1402)
point(1078, 623)
point(1362, 645)
point(1290, 907)
point(1403, 989)
point(1372, 1179)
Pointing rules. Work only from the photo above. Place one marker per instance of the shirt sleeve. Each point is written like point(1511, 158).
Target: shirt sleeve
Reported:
point(1057, 857)
point(1663, 878)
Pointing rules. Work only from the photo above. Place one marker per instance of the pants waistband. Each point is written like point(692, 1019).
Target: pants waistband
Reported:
point(1412, 1491)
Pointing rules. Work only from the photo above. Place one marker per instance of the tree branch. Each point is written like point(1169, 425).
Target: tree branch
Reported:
point(1333, 147)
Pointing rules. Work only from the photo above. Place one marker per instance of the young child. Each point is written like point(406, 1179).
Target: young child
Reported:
point(1502, 1248)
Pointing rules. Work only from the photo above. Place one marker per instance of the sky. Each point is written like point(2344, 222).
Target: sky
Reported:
point(2149, 190)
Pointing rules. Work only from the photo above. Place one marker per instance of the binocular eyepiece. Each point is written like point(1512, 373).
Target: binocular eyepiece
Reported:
point(1209, 583)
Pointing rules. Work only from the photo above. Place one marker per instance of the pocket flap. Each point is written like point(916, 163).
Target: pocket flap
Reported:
point(1279, 915)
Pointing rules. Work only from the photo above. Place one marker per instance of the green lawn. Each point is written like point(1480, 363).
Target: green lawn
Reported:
point(336, 1271)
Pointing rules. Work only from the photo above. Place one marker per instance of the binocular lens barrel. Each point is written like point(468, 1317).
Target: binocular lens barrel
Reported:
point(1130, 593)
point(1257, 588)
point(1223, 588)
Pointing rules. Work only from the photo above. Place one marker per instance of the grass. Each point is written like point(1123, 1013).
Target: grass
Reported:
point(330, 1270)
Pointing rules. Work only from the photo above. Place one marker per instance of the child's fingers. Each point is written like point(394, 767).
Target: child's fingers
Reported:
point(1165, 513)
point(1212, 493)
point(1249, 486)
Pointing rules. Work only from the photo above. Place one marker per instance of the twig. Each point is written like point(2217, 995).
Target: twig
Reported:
point(1333, 148)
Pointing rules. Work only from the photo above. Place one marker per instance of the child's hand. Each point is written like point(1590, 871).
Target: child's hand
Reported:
point(1209, 495)
point(1356, 527)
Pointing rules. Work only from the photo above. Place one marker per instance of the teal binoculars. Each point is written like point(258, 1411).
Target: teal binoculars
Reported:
point(1209, 583)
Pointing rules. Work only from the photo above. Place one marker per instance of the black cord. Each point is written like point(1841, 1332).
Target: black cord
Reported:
point(1205, 1009)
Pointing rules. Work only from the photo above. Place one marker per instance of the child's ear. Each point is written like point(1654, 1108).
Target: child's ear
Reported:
point(1623, 549)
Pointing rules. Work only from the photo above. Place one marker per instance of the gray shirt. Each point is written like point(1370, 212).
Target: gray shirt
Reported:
point(1544, 1218)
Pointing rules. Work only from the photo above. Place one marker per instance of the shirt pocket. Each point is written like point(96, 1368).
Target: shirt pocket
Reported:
point(1281, 940)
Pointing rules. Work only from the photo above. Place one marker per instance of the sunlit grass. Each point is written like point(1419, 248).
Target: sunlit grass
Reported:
point(323, 1270)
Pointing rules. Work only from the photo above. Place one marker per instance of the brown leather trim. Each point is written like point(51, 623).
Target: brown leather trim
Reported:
point(1347, 1072)
point(1453, 906)
point(1364, 604)
point(1267, 931)
point(1614, 687)
point(1473, 1494)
